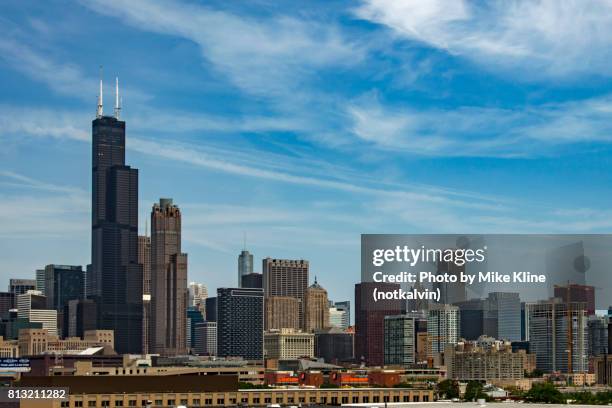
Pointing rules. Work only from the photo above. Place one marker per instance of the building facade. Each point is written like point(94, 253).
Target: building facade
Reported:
point(288, 344)
point(286, 277)
point(558, 335)
point(116, 275)
point(240, 321)
point(63, 283)
point(245, 265)
point(316, 308)
point(399, 340)
point(442, 327)
point(169, 294)
point(205, 341)
point(31, 306)
point(334, 345)
point(281, 312)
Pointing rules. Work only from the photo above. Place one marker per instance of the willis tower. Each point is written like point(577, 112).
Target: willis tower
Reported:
point(116, 275)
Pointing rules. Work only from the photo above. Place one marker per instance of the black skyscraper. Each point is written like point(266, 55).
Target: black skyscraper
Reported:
point(116, 280)
point(240, 323)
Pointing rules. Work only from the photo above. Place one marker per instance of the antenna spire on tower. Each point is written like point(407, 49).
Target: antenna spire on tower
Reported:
point(117, 103)
point(100, 110)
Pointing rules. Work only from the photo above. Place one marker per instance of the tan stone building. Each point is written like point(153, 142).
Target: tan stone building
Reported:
point(288, 344)
point(8, 348)
point(38, 341)
point(286, 277)
point(281, 312)
point(316, 308)
point(169, 295)
point(467, 361)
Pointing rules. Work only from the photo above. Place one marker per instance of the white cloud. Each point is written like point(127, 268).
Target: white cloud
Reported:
point(480, 131)
point(268, 56)
point(539, 37)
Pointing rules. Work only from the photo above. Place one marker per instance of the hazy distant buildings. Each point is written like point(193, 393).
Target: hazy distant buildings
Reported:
point(558, 335)
point(442, 327)
point(240, 323)
point(399, 340)
point(116, 275)
point(316, 308)
point(286, 277)
point(577, 293)
point(169, 294)
point(598, 335)
point(504, 309)
point(245, 265)
point(450, 292)
point(281, 312)
point(369, 321)
point(21, 286)
point(7, 302)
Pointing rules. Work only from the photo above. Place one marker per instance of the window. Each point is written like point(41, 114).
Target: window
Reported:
point(170, 402)
point(376, 398)
point(396, 398)
point(78, 404)
point(220, 401)
point(345, 400)
point(91, 403)
point(386, 398)
point(415, 398)
point(406, 398)
point(267, 400)
point(195, 402)
point(132, 403)
point(65, 404)
point(355, 400)
point(425, 398)
point(159, 403)
point(208, 401)
point(106, 403)
point(118, 403)
point(183, 402)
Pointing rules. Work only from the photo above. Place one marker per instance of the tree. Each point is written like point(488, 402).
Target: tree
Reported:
point(544, 392)
point(474, 391)
point(448, 389)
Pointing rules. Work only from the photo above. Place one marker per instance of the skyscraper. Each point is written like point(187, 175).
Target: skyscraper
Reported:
point(505, 309)
point(572, 292)
point(558, 335)
point(63, 283)
point(144, 259)
point(400, 342)
point(369, 321)
point(197, 295)
point(245, 265)
point(286, 277)
point(240, 323)
point(31, 306)
point(316, 308)
point(345, 307)
point(281, 312)
point(116, 275)
point(168, 281)
point(442, 327)
point(21, 286)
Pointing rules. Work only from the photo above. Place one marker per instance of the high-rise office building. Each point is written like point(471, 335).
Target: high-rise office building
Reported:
point(316, 308)
point(286, 277)
point(369, 321)
point(79, 317)
point(281, 312)
point(21, 286)
point(450, 292)
point(63, 283)
point(205, 340)
point(144, 259)
point(336, 317)
point(572, 292)
point(240, 323)
point(399, 340)
point(194, 316)
point(504, 308)
point(471, 315)
point(252, 280)
point(345, 307)
point(598, 335)
point(116, 275)
point(40, 280)
point(211, 309)
point(558, 335)
point(197, 295)
point(7, 302)
point(169, 295)
point(245, 265)
point(335, 345)
point(442, 327)
point(32, 306)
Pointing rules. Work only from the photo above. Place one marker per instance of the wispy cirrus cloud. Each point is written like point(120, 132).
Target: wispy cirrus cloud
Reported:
point(543, 38)
point(266, 56)
point(530, 131)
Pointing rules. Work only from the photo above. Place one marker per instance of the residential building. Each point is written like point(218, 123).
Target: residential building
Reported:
point(240, 321)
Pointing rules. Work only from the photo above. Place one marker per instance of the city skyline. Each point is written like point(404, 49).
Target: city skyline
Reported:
point(423, 133)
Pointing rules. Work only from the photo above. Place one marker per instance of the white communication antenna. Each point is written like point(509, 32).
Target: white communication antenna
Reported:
point(117, 100)
point(100, 110)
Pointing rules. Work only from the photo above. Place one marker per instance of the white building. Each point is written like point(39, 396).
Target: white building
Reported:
point(442, 327)
point(205, 342)
point(32, 306)
point(288, 344)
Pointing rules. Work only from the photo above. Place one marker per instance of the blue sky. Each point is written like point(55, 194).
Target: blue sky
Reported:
point(305, 124)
